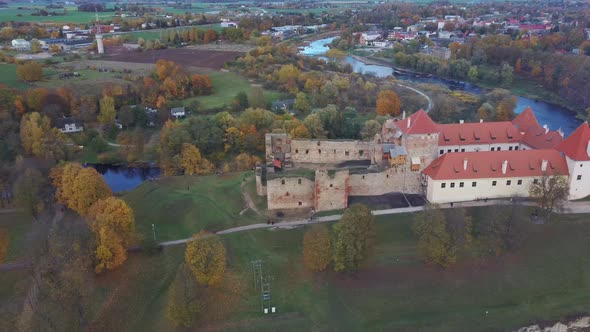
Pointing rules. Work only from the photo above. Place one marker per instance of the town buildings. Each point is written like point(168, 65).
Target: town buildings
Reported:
point(442, 162)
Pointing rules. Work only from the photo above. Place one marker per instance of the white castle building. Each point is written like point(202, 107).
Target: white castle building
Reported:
point(414, 155)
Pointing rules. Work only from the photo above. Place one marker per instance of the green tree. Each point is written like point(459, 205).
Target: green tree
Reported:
point(473, 73)
point(30, 190)
point(353, 238)
point(301, 103)
point(317, 249)
point(205, 256)
point(370, 129)
point(433, 238)
point(506, 74)
point(107, 111)
point(185, 301)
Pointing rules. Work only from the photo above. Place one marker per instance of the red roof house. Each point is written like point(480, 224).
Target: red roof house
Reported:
point(418, 123)
point(577, 145)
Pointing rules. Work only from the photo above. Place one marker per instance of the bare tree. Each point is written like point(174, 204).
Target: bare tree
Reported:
point(550, 191)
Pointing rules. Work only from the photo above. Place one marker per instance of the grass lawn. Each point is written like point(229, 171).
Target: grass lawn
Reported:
point(8, 76)
point(548, 279)
point(17, 224)
point(211, 203)
point(132, 36)
point(226, 86)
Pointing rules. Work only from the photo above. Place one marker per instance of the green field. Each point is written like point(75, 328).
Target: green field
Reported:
point(546, 280)
point(181, 206)
point(226, 86)
point(17, 224)
point(8, 76)
point(132, 36)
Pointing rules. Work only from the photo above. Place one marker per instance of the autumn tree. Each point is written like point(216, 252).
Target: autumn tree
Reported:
point(245, 162)
point(29, 71)
point(433, 238)
point(370, 129)
point(40, 139)
point(353, 238)
point(300, 131)
point(107, 111)
point(113, 224)
point(550, 191)
point(36, 46)
point(317, 249)
point(30, 190)
point(205, 256)
point(501, 230)
point(4, 243)
point(388, 103)
point(301, 103)
point(192, 162)
point(185, 299)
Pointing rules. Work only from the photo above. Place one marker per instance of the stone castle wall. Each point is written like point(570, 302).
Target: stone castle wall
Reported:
point(290, 193)
point(331, 190)
point(330, 152)
point(396, 179)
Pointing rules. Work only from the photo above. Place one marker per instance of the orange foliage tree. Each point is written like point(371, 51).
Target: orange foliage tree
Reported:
point(206, 257)
point(317, 250)
point(388, 103)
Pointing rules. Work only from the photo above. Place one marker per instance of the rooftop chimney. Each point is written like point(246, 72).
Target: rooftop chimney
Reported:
point(403, 115)
point(544, 165)
point(504, 166)
point(480, 120)
point(465, 164)
point(588, 149)
point(409, 122)
point(546, 128)
point(461, 121)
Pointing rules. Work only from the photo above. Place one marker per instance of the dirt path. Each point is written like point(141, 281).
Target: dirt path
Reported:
point(248, 199)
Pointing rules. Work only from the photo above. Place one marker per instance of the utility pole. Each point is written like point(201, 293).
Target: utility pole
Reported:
point(154, 231)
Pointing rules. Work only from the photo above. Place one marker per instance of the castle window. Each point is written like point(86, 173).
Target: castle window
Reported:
point(456, 150)
point(361, 152)
point(387, 176)
point(449, 150)
point(461, 184)
point(494, 183)
point(306, 151)
point(334, 151)
point(462, 150)
point(346, 153)
point(441, 151)
point(363, 177)
point(493, 149)
point(300, 203)
point(443, 185)
point(287, 193)
point(282, 181)
point(581, 165)
point(331, 185)
point(579, 177)
point(509, 148)
point(519, 182)
point(474, 184)
point(320, 151)
point(508, 182)
point(299, 181)
point(296, 150)
point(499, 148)
point(318, 143)
point(452, 184)
point(535, 181)
point(516, 148)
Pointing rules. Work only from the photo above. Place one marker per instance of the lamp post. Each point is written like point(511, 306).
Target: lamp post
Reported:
point(154, 231)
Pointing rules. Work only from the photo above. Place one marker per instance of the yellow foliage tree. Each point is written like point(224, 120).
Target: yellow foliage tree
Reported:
point(88, 187)
point(107, 111)
point(110, 252)
point(192, 162)
point(300, 131)
point(388, 103)
point(29, 72)
point(115, 214)
point(39, 138)
point(246, 162)
point(205, 256)
point(62, 178)
point(317, 250)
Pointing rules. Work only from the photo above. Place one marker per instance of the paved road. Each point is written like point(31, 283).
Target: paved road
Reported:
point(568, 208)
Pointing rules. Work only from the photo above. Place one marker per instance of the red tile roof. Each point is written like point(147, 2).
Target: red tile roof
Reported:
point(488, 164)
point(540, 138)
point(576, 145)
point(526, 120)
point(477, 133)
point(420, 123)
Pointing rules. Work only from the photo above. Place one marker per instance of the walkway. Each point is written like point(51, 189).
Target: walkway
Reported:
point(568, 208)
point(428, 99)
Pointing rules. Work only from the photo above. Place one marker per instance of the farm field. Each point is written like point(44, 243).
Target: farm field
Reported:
point(133, 36)
point(185, 56)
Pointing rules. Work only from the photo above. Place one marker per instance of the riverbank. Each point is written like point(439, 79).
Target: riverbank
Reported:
point(521, 87)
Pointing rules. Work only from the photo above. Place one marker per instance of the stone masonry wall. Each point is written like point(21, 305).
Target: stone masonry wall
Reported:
point(325, 151)
point(290, 193)
point(396, 179)
point(331, 190)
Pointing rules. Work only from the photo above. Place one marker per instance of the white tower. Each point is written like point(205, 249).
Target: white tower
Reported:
point(98, 36)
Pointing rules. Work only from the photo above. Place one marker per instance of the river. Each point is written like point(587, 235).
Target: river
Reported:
point(554, 116)
point(124, 178)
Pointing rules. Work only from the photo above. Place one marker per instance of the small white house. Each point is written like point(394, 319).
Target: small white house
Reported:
point(229, 24)
point(177, 112)
point(21, 45)
point(69, 125)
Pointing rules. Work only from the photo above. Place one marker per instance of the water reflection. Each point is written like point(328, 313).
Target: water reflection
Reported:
point(123, 178)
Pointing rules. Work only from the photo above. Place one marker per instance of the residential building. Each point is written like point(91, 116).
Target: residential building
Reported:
point(177, 112)
point(69, 125)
